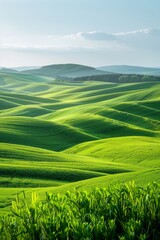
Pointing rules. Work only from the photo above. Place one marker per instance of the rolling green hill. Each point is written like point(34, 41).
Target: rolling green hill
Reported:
point(65, 71)
point(63, 134)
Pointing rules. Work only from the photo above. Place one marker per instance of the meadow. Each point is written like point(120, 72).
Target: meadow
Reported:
point(60, 135)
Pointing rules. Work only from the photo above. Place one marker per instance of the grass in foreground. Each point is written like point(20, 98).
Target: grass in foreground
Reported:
point(124, 212)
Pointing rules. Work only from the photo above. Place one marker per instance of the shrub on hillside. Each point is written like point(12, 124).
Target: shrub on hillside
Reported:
point(124, 212)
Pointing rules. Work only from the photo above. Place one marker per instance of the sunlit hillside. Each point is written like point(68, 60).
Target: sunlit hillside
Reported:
point(63, 134)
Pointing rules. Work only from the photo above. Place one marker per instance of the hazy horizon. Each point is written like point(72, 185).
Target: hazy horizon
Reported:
point(107, 32)
point(34, 67)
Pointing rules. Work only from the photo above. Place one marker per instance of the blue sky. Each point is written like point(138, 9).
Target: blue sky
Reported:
point(91, 32)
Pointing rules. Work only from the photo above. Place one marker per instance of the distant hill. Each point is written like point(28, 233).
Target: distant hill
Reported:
point(7, 70)
point(25, 68)
point(65, 71)
point(125, 69)
point(81, 73)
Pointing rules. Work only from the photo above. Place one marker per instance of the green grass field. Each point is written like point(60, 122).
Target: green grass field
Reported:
point(60, 135)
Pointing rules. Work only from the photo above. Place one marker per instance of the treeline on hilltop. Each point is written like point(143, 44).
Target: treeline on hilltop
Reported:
point(120, 78)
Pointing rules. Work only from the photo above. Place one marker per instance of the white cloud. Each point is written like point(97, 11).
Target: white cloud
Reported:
point(140, 31)
point(86, 41)
point(147, 32)
point(96, 36)
point(72, 42)
point(143, 39)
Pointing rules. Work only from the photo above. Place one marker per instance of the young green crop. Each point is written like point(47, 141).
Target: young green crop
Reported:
point(122, 212)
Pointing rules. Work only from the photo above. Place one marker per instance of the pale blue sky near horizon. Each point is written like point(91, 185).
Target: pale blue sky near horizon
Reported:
point(91, 32)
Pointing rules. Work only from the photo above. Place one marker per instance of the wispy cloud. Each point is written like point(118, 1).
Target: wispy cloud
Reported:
point(71, 42)
point(96, 36)
point(85, 41)
point(146, 31)
point(140, 31)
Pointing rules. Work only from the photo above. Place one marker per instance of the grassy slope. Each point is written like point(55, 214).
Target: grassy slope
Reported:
point(62, 135)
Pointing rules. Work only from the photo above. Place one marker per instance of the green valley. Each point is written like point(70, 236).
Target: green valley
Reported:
point(61, 134)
